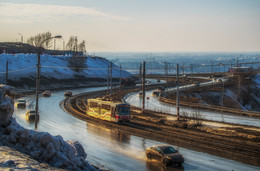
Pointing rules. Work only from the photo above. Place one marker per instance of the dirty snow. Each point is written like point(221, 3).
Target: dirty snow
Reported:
point(40, 146)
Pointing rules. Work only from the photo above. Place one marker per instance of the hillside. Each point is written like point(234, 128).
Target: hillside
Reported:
point(245, 97)
point(56, 70)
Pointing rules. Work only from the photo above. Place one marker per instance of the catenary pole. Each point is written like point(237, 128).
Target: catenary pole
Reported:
point(108, 76)
point(39, 51)
point(120, 80)
point(37, 87)
point(111, 78)
point(6, 73)
point(177, 84)
point(143, 87)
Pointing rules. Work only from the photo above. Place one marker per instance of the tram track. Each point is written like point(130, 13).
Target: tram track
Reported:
point(232, 148)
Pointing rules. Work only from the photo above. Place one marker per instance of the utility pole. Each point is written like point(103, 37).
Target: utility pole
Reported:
point(191, 71)
point(212, 69)
point(177, 85)
point(108, 76)
point(37, 87)
point(39, 51)
point(166, 73)
point(143, 87)
point(120, 92)
point(6, 73)
point(222, 95)
point(140, 75)
point(111, 79)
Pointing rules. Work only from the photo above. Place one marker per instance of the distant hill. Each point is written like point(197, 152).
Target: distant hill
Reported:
point(18, 47)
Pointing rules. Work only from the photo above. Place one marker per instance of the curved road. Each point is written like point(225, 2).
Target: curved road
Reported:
point(110, 148)
point(154, 104)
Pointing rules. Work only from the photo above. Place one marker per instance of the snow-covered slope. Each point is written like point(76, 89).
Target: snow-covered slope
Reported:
point(257, 80)
point(54, 67)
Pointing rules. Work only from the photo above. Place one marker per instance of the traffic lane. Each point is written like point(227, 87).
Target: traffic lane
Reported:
point(205, 84)
point(154, 104)
point(103, 151)
point(107, 148)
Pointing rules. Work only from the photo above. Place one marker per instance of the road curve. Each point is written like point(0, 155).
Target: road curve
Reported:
point(154, 104)
point(110, 148)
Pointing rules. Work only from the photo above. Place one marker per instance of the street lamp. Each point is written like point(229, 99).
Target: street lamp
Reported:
point(21, 37)
point(39, 51)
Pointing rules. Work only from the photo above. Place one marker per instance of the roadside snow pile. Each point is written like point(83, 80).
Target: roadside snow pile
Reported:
point(39, 145)
point(55, 67)
point(6, 104)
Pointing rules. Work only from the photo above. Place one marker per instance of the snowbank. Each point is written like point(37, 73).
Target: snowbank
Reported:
point(257, 80)
point(39, 145)
point(55, 67)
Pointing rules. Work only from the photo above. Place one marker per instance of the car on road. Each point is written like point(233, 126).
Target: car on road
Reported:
point(196, 84)
point(31, 115)
point(184, 76)
point(219, 80)
point(161, 89)
point(67, 93)
point(155, 93)
point(165, 154)
point(21, 103)
point(46, 93)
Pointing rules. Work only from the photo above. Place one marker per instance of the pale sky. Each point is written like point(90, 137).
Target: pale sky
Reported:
point(138, 25)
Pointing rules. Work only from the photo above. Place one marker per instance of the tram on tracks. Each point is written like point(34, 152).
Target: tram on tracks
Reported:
point(108, 110)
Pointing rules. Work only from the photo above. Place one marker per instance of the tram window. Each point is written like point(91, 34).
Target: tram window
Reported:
point(93, 104)
point(107, 107)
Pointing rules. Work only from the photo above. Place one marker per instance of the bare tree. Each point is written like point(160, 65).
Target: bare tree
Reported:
point(82, 46)
point(76, 62)
point(39, 38)
point(71, 43)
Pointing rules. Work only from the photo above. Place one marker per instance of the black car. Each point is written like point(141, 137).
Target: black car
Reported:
point(165, 154)
point(155, 93)
point(161, 89)
point(46, 93)
point(68, 94)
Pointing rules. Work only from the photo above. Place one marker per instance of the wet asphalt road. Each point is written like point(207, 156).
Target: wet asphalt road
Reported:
point(109, 148)
point(154, 104)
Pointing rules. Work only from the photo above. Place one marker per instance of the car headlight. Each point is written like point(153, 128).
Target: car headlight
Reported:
point(168, 157)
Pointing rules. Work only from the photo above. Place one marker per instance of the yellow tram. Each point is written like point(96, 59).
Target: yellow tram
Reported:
point(107, 110)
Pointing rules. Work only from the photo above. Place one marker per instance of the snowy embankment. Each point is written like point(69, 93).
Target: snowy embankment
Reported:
point(41, 146)
point(22, 68)
point(257, 80)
